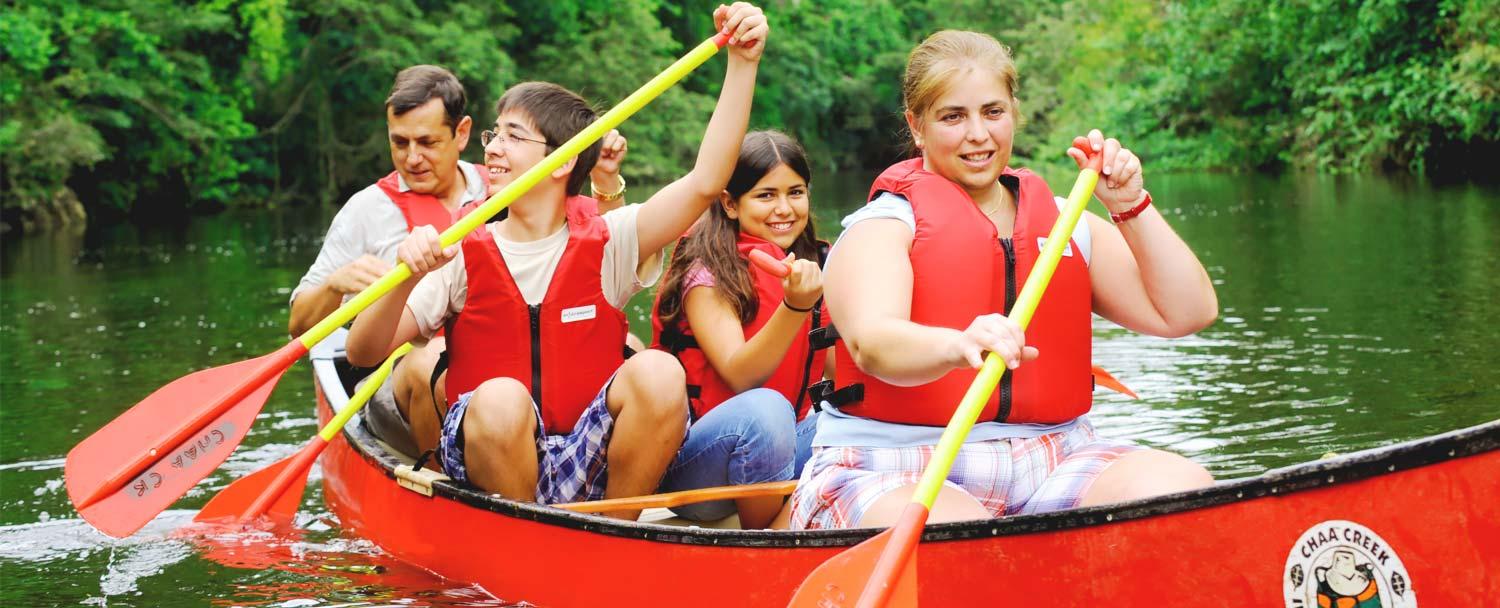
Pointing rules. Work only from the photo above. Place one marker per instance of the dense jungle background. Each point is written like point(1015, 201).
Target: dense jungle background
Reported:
point(148, 108)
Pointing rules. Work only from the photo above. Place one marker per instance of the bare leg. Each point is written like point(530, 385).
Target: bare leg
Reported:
point(951, 505)
point(759, 512)
point(415, 398)
point(783, 519)
point(1145, 473)
point(635, 343)
point(649, 405)
point(500, 439)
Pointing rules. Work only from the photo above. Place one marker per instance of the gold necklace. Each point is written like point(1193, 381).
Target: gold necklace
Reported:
point(998, 204)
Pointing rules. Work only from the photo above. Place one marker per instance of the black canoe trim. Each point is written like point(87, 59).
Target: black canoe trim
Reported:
point(1278, 482)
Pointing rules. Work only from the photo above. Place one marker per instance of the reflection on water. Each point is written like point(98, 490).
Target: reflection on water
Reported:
point(1355, 313)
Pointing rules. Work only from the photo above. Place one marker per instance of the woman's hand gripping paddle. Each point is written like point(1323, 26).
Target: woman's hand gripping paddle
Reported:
point(769, 263)
point(276, 491)
point(144, 460)
point(883, 566)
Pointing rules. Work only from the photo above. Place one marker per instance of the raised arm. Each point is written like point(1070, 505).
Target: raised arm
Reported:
point(1142, 274)
point(669, 213)
point(868, 288)
point(605, 182)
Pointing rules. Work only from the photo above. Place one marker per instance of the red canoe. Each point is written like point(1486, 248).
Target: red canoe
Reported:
point(1412, 524)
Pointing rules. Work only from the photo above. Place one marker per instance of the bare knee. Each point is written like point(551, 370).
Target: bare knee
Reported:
point(1143, 474)
point(951, 505)
point(413, 377)
point(653, 371)
point(499, 414)
point(653, 386)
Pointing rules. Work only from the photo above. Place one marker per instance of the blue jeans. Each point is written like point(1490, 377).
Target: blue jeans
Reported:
point(751, 438)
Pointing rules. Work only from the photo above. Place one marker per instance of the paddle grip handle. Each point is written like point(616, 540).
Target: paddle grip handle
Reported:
point(769, 263)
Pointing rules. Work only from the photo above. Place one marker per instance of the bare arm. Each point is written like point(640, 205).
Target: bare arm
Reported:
point(1146, 279)
point(381, 328)
point(387, 323)
point(1142, 275)
point(605, 178)
point(313, 304)
point(868, 287)
point(746, 364)
point(669, 213)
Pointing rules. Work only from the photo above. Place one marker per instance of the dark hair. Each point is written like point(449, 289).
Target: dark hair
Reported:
point(713, 240)
point(559, 114)
point(418, 84)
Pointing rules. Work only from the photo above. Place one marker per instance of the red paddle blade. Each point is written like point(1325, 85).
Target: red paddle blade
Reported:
point(770, 264)
point(140, 463)
point(837, 583)
point(1103, 378)
point(274, 492)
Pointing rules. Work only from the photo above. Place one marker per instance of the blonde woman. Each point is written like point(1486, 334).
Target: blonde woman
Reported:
point(918, 286)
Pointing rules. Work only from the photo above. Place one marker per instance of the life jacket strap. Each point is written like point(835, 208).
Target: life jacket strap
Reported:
point(437, 372)
point(824, 391)
point(823, 337)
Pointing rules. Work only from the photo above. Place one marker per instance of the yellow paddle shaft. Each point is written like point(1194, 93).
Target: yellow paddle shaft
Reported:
point(989, 374)
point(362, 396)
point(510, 193)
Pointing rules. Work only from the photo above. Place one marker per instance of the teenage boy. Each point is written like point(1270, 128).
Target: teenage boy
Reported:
point(542, 404)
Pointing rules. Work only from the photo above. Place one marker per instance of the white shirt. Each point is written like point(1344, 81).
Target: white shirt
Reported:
point(370, 223)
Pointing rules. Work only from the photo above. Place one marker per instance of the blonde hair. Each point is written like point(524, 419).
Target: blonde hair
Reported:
point(943, 56)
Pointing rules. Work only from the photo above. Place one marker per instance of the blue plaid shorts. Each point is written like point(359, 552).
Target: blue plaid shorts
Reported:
point(570, 468)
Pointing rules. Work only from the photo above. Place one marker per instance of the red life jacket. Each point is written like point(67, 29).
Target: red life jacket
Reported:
point(961, 269)
point(562, 349)
point(705, 387)
point(418, 209)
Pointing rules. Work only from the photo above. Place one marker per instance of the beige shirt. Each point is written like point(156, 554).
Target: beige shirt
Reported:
point(441, 293)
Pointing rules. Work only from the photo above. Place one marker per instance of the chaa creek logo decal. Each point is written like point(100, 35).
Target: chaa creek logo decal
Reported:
point(1341, 564)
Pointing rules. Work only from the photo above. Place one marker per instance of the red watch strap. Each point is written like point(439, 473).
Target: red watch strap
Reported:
point(1133, 211)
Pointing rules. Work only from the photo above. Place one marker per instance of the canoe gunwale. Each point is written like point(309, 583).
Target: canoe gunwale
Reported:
point(1277, 482)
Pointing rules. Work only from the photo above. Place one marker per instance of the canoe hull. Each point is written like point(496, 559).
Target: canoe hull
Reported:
point(1422, 528)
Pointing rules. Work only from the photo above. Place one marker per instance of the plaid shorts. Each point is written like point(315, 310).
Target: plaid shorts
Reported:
point(570, 468)
point(1008, 476)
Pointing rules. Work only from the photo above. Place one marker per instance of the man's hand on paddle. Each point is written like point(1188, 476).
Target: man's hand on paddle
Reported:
point(747, 29)
point(993, 333)
point(423, 252)
point(355, 276)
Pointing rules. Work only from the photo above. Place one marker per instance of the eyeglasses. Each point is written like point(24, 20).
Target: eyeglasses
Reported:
point(508, 138)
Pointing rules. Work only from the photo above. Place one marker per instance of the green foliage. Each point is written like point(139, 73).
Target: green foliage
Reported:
point(1331, 84)
point(109, 89)
point(155, 106)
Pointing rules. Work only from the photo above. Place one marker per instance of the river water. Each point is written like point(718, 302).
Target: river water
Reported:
point(1355, 313)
